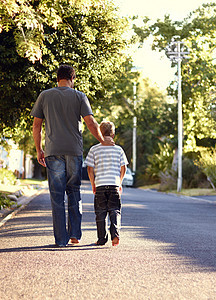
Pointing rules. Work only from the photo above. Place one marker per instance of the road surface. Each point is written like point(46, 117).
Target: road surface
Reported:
point(167, 251)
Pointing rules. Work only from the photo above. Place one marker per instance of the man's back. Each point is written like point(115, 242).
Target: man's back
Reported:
point(62, 108)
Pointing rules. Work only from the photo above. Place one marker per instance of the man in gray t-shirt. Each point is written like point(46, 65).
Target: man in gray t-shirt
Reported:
point(62, 108)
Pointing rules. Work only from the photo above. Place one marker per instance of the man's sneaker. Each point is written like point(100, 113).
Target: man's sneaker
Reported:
point(61, 245)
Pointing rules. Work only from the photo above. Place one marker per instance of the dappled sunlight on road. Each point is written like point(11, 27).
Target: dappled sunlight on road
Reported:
point(89, 192)
point(135, 205)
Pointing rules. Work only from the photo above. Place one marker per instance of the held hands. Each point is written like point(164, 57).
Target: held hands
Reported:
point(41, 158)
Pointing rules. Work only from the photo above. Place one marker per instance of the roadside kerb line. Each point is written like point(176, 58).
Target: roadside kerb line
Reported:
point(23, 201)
point(183, 196)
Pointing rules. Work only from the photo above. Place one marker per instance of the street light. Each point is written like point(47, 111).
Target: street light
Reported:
point(134, 129)
point(133, 111)
point(176, 52)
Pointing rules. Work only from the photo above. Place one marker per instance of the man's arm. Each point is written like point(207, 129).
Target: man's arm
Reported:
point(92, 178)
point(37, 132)
point(95, 130)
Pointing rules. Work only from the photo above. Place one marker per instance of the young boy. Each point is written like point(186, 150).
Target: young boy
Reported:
point(106, 169)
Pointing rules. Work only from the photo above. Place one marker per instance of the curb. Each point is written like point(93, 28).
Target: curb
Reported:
point(198, 199)
point(22, 202)
point(183, 196)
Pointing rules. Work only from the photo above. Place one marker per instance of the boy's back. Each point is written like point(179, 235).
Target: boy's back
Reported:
point(107, 162)
point(106, 168)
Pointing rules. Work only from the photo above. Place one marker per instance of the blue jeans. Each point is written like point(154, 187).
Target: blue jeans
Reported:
point(64, 175)
point(107, 200)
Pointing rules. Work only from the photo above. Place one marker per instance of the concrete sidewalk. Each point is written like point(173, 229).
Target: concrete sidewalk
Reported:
point(7, 213)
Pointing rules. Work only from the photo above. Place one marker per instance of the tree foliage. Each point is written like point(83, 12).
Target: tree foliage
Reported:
point(207, 163)
point(156, 120)
point(198, 32)
point(87, 35)
point(28, 19)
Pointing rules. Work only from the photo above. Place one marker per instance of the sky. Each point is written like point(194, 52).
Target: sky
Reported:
point(151, 63)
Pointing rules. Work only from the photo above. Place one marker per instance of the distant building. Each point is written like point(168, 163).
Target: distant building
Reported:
point(13, 160)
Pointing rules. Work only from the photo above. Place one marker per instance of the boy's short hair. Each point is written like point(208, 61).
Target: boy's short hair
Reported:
point(65, 72)
point(107, 128)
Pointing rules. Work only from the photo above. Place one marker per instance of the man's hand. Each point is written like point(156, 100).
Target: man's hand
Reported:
point(108, 141)
point(95, 130)
point(37, 129)
point(40, 158)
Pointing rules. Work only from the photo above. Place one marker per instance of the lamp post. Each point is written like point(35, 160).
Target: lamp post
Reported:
point(134, 129)
point(176, 52)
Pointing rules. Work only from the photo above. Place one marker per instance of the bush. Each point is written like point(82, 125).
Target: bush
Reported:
point(5, 202)
point(160, 167)
point(144, 178)
point(160, 162)
point(207, 163)
point(7, 177)
point(192, 175)
point(168, 180)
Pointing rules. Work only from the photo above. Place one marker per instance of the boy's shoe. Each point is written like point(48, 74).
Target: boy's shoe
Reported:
point(98, 243)
point(102, 241)
point(74, 241)
point(115, 241)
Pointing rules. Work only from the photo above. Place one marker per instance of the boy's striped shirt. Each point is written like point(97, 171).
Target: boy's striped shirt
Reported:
point(107, 162)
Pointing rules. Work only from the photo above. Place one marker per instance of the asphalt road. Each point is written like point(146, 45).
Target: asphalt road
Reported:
point(167, 251)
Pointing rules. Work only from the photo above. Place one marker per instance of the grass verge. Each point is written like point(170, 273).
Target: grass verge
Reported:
point(185, 192)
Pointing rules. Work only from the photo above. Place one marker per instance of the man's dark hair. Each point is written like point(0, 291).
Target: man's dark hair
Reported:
point(65, 72)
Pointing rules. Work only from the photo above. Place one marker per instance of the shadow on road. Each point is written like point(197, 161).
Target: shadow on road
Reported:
point(180, 227)
point(86, 247)
point(184, 228)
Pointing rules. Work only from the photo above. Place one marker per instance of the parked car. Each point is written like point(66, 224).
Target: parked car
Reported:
point(84, 172)
point(128, 179)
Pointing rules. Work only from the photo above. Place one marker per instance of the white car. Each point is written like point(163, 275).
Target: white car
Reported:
point(128, 179)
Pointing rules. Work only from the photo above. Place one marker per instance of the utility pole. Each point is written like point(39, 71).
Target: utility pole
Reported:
point(134, 129)
point(176, 52)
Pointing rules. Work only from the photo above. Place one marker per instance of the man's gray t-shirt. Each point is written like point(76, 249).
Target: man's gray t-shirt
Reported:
point(62, 108)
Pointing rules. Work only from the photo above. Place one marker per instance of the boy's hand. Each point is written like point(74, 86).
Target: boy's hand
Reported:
point(120, 190)
point(94, 189)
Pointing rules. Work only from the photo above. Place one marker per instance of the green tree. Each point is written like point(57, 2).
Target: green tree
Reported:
point(156, 120)
point(198, 73)
point(89, 37)
point(28, 19)
point(37, 36)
